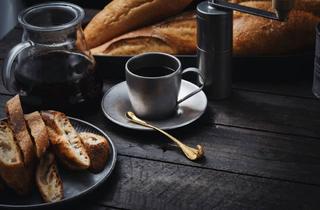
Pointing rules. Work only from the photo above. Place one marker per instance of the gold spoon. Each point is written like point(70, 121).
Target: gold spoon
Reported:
point(191, 153)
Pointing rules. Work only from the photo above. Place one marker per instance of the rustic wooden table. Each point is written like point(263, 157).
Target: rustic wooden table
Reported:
point(262, 152)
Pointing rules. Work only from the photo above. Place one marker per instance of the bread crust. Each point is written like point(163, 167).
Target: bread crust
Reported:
point(176, 35)
point(12, 169)
point(38, 132)
point(67, 147)
point(48, 179)
point(97, 148)
point(121, 16)
point(18, 125)
point(18, 177)
point(259, 36)
point(311, 6)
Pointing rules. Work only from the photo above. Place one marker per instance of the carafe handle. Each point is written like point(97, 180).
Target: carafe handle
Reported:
point(8, 63)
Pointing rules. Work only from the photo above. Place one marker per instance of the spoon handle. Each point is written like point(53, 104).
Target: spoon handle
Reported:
point(190, 153)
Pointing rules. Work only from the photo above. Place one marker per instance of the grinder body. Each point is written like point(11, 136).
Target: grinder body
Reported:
point(214, 49)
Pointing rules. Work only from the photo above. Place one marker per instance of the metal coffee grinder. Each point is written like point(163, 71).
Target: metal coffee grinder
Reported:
point(214, 40)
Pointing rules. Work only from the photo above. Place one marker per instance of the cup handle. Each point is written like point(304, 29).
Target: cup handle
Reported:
point(194, 70)
point(8, 63)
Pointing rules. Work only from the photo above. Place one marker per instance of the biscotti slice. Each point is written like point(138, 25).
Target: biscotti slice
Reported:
point(97, 148)
point(48, 179)
point(12, 169)
point(18, 125)
point(38, 132)
point(122, 16)
point(176, 35)
point(9, 151)
point(65, 140)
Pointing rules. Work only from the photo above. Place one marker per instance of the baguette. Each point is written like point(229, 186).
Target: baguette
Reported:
point(97, 148)
point(176, 35)
point(121, 16)
point(48, 179)
point(12, 169)
point(65, 141)
point(311, 6)
point(38, 132)
point(19, 128)
point(259, 36)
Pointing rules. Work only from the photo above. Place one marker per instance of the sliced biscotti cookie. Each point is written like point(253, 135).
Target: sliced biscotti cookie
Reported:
point(9, 150)
point(18, 125)
point(65, 140)
point(48, 179)
point(12, 169)
point(38, 132)
point(97, 148)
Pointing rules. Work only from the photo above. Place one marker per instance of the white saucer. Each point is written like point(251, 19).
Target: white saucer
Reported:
point(115, 103)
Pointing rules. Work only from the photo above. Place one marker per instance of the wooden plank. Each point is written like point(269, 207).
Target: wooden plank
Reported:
point(229, 149)
point(300, 88)
point(83, 203)
point(282, 192)
point(267, 112)
point(144, 184)
point(237, 150)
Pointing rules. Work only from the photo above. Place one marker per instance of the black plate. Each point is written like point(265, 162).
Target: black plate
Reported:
point(76, 183)
point(257, 68)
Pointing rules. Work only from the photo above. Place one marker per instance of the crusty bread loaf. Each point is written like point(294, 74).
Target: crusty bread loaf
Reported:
point(97, 148)
point(312, 6)
point(48, 179)
point(12, 169)
point(121, 16)
point(65, 140)
point(38, 132)
point(175, 36)
point(260, 36)
point(18, 125)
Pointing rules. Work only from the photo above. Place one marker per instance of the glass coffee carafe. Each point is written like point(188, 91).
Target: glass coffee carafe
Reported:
point(52, 66)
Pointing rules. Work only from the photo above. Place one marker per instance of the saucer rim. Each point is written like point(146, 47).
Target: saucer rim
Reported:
point(142, 128)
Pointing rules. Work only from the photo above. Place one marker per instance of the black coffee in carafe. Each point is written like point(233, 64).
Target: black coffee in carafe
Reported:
point(57, 79)
point(52, 68)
